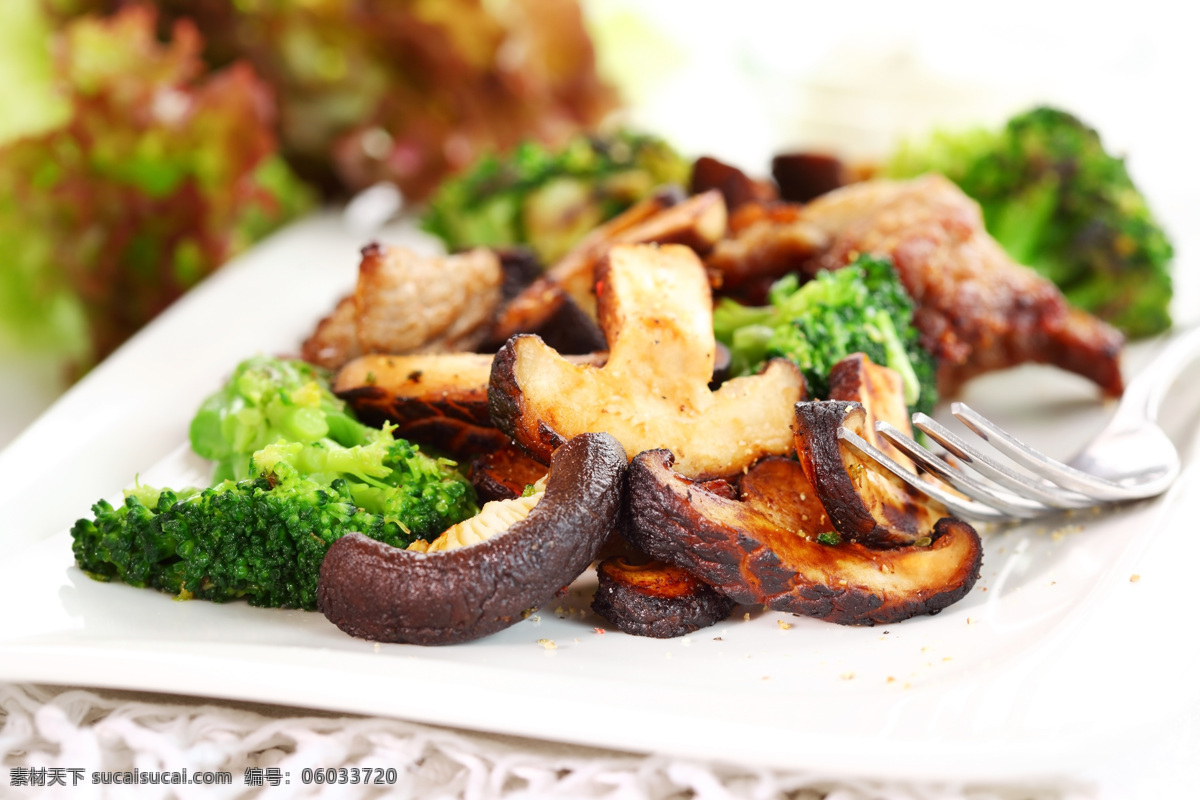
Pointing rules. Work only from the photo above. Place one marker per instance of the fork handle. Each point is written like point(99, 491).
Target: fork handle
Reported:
point(1145, 393)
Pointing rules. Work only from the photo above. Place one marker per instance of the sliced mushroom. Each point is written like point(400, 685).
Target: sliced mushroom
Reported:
point(880, 391)
point(751, 559)
point(438, 399)
point(778, 489)
point(735, 186)
point(504, 473)
point(805, 176)
point(403, 389)
point(375, 591)
point(656, 311)
point(866, 503)
point(697, 222)
point(656, 599)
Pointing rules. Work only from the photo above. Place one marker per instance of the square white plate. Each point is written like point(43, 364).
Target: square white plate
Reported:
point(1057, 655)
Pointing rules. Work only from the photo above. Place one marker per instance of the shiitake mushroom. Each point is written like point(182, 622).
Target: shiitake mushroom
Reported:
point(656, 311)
point(656, 599)
point(867, 504)
point(376, 591)
point(751, 558)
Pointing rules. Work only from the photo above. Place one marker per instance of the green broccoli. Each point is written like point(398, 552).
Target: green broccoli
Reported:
point(549, 199)
point(860, 308)
point(267, 399)
point(1059, 203)
point(320, 475)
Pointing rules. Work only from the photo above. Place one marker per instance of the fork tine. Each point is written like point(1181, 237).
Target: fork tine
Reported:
point(953, 503)
point(988, 466)
point(973, 487)
point(1057, 472)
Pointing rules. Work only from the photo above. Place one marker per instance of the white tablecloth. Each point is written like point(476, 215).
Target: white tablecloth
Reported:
point(103, 731)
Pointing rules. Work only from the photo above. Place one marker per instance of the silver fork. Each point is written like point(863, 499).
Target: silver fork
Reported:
point(1131, 459)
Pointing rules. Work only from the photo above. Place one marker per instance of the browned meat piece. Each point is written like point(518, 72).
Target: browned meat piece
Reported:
point(409, 303)
point(335, 340)
point(406, 303)
point(978, 310)
point(766, 242)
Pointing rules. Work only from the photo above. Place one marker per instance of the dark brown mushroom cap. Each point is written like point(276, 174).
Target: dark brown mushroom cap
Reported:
point(867, 504)
point(752, 560)
point(379, 592)
point(656, 599)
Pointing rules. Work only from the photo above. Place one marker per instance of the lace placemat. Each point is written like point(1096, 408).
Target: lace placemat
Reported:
point(76, 743)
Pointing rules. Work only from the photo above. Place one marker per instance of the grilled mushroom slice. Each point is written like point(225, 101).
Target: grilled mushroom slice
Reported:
point(656, 599)
point(697, 222)
point(504, 473)
point(438, 399)
point(866, 503)
point(656, 312)
point(752, 559)
point(483, 573)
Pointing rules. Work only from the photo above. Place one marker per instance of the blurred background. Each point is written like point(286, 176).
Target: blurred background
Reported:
point(142, 145)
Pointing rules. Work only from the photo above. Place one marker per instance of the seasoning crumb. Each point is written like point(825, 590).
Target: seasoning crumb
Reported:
point(536, 620)
point(785, 625)
point(547, 644)
point(718, 639)
point(947, 658)
point(599, 631)
point(847, 676)
point(1134, 578)
point(970, 621)
point(746, 616)
point(890, 679)
point(925, 649)
point(558, 610)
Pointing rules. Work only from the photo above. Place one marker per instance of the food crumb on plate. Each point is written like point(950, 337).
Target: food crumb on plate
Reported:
point(1134, 578)
point(547, 644)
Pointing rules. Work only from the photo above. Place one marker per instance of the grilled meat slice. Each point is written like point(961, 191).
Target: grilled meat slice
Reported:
point(978, 310)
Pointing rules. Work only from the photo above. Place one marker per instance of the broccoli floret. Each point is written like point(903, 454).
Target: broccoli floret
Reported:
point(861, 308)
point(322, 475)
point(1058, 202)
point(548, 199)
point(263, 539)
point(265, 400)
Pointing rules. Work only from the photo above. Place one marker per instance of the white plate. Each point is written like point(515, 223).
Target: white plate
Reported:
point(1055, 656)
